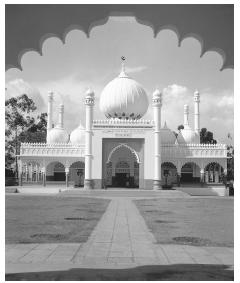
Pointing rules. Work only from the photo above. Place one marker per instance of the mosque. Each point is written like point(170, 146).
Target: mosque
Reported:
point(124, 150)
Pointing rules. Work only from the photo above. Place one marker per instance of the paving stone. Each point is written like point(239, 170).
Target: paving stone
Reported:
point(200, 255)
point(176, 254)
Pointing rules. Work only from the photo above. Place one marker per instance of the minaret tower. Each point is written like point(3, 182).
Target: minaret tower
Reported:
point(50, 112)
point(60, 116)
point(196, 112)
point(157, 105)
point(185, 115)
point(89, 102)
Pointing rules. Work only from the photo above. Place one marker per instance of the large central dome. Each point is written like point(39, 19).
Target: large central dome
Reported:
point(123, 98)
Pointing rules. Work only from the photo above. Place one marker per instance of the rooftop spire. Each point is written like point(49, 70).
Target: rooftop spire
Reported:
point(123, 74)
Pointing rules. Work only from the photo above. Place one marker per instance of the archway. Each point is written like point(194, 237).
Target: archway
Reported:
point(76, 173)
point(190, 173)
point(169, 173)
point(122, 168)
point(31, 172)
point(213, 173)
point(55, 171)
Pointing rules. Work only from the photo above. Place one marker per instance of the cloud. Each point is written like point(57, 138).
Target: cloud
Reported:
point(19, 86)
point(226, 101)
point(175, 91)
point(138, 69)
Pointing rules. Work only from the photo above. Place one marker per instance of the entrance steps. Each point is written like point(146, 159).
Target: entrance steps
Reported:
point(134, 193)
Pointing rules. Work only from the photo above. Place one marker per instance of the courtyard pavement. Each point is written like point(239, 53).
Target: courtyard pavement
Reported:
point(121, 239)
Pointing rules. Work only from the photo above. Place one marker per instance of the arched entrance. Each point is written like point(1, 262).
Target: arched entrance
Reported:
point(122, 174)
point(190, 173)
point(213, 173)
point(122, 168)
point(55, 171)
point(169, 173)
point(76, 173)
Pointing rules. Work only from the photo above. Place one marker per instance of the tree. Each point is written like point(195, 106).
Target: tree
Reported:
point(21, 127)
point(37, 132)
point(206, 136)
point(230, 162)
point(180, 127)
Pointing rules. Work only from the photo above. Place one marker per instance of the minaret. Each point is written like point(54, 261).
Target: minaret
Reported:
point(60, 116)
point(185, 115)
point(196, 112)
point(50, 112)
point(89, 102)
point(157, 105)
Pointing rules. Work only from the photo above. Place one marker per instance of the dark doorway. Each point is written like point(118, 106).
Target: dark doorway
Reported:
point(186, 177)
point(59, 176)
point(121, 180)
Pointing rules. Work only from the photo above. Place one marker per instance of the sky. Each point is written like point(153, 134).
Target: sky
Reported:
point(70, 68)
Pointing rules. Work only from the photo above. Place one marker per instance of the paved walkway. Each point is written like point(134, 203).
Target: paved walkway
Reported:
point(121, 239)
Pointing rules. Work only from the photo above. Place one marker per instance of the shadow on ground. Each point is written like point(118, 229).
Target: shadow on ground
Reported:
point(178, 272)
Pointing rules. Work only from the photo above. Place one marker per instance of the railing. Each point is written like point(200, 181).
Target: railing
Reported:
point(167, 150)
point(43, 149)
point(123, 122)
point(194, 150)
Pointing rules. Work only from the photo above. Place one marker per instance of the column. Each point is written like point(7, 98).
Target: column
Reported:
point(36, 175)
point(206, 176)
point(216, 175)
point(202, 176)
point(196, 112)
point(67, 176)
point(44, 176)
point(179, 167)
point(50, 112)
point(31, 174)
point(185, 115)
point(89, 103)
point(157, 104)
point(20, 172)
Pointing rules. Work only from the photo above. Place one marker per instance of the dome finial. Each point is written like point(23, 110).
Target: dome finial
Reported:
point(123, 74)
point(123, 58)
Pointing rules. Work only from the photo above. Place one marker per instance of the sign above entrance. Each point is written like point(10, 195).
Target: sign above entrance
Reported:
point(123, 133)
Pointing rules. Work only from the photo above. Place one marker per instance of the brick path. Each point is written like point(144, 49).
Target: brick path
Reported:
point(120, 239)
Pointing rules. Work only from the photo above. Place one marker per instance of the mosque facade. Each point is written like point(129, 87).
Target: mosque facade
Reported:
point(124, 150)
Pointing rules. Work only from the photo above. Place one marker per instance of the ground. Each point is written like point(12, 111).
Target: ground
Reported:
point(191, 221)
point(186, 238)
point(51, 219)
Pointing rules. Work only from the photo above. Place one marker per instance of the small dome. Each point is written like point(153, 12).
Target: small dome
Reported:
point(124, 98)
point(187, 135)
point(78, 135)
point(180, 138)
point(57, 135)
point(157, 94)
point(167, 136)
point(89, 92)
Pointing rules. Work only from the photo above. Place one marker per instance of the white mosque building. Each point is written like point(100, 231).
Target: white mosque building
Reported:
point(124, 150)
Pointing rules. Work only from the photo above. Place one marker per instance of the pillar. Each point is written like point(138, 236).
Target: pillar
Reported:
point(196, 112)
point(60, 115)
point(206, 176)
point(20, 169)
point(31, 176)
point(67, 176)
point(185, 115)
point(202, 176)
point(157, 105)
point(27, 172)
point(44, 176)
point(89, 103)
point(49, 113)
point(179, 168)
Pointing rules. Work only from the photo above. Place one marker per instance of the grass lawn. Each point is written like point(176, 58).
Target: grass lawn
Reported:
point(196, 221)
point(48, 219)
